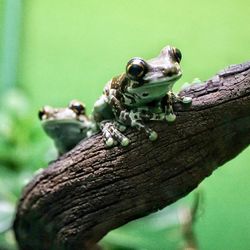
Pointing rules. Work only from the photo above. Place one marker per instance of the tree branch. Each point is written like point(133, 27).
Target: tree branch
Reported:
point(90, 190)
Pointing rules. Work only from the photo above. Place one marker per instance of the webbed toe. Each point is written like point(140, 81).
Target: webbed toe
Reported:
point(170, 117)
point(153, 136)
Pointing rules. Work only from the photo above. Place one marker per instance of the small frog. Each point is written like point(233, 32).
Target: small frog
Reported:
point(142, 93)
point(66, 126)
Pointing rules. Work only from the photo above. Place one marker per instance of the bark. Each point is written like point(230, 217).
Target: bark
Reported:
point(91, 190)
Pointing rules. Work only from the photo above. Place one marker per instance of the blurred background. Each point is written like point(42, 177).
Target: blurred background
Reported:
point(55, 51)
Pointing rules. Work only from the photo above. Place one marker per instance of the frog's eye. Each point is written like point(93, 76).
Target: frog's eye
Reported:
point(41, 113)
point(177, 54)
point(136, 68)
point(77, 107)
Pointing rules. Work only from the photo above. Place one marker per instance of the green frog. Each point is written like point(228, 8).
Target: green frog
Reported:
point(66, 126)
point(142, 93)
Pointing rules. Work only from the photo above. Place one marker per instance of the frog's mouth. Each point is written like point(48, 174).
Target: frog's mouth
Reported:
point(159, 79)
point(58, 128)
point(57, 124)
point(154, 81)
point(154, 89)
point(51, 121)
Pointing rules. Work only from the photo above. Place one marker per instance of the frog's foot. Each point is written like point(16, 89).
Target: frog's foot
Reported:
point(181, 99)
point(170, 115)
point(112, 135)
point(185, 99)
point(152, 135)
point(120, 126)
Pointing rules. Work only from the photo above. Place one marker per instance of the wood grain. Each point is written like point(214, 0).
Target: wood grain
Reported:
point(91, 190)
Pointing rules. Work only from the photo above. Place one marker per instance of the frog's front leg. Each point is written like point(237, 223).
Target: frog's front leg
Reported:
point(168, 101)
point(135, 118)
point(111, 133)
point(168, 107)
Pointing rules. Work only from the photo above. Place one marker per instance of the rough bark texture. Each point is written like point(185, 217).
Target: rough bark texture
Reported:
point(90, 190)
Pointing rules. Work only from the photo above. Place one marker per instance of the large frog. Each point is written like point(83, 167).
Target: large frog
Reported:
point(142, 93)
point(66, 126)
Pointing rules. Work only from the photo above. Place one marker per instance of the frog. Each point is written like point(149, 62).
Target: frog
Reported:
point(144, 92)
point(66, 126)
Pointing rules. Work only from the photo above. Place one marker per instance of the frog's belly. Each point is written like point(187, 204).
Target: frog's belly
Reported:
point(102, 110)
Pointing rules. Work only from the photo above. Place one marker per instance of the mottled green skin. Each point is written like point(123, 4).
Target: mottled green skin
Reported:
point(129, 102)
point(141, 94)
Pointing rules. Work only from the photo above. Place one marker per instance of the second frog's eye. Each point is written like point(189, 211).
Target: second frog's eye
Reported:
point(136, 68)
point(41, 113)
point(177, 54)
point(77, 107)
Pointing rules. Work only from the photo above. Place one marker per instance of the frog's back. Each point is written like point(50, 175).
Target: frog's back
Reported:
point(117, 84)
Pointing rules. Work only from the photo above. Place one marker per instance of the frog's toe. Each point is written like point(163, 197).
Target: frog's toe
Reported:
point(125, 141)
point(158, 117)
point(187, 99)
point(162, 116)
point(122, 128)
point(153, 136)
point(110, 142)
point(170, 117)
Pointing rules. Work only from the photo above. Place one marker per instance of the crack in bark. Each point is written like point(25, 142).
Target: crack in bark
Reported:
point(90, 190)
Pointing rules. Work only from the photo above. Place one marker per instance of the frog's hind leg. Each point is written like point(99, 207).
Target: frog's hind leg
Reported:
point(111, 133)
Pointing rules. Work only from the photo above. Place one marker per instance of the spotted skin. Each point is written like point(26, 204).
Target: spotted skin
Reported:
point(141, 94)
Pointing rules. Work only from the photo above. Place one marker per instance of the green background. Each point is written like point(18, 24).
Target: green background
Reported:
point(70, 49)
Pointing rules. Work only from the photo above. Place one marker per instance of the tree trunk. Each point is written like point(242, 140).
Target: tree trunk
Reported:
point(91, 190)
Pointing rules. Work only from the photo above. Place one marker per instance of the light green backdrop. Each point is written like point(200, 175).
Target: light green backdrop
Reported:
point(69, 49)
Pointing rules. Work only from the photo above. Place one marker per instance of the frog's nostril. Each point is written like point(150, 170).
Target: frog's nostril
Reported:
point(145, 94)
point(170, 72)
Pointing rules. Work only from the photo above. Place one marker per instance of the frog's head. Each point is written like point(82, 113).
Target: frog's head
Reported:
point(150, 80)
point(64, 123)
point(74, 111)
point(66, 126)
